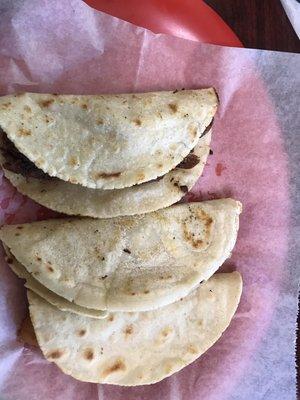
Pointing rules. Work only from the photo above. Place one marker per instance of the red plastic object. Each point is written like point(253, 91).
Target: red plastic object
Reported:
point(188, 19)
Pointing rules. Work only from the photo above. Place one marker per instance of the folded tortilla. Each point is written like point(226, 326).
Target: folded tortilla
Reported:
point(137, 348)
point(72, 199)
point(46, 294)
point(128, 263)
point(107, 141)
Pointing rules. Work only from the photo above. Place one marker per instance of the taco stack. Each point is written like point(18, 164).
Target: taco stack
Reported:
point(108, 155)
point(123, 290)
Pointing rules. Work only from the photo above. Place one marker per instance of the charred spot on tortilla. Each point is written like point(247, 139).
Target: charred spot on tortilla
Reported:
point(104, 175)
point(73, 161)
point(211, 152)
point(193, 131)
point(6, 105)
point(24, 132)
point(81, 332)
point(49, 268)
point(175, 91)
point(141, 176)
point(137, 122)
point(208, 222)
point(207, 129)
point(117, 366)
point(39, 162)
point(55, 354)
point(191, 233)
point(27, 108)
point(104, 277)
point(128, 330)
point(88, 354)
point(167, 331)
point(173, 107)
point(190, 161)
point(192, 349)
point(46, 103)
point(127, 251)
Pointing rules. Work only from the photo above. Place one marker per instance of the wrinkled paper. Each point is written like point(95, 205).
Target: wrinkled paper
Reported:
point(66, 47)
point(292, 9)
